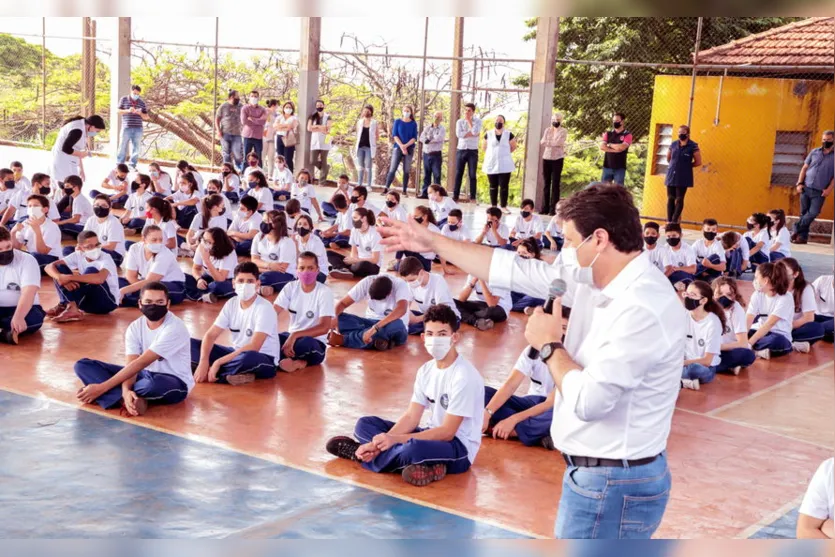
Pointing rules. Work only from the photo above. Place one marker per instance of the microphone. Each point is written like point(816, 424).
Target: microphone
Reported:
point(556, 290)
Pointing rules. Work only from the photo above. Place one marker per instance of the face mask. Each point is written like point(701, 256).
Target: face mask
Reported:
point(407, 115)
point(6, 257)
point(690, 304)
point(288, 111)
point(556, 124)
point(211, 192)
point(419, 220)
point(225, 173)
point(320, 108)
point(828, 144)
point(253, 100)
point(758, 286)
point(357, 224)
point(749, 226)
point(92, 133)
point(34, 212)
point(245, 291)
point(414, 283)
point(184, 189)
point(93, 254)
point(525, 214)
point(154, 174)
point(710, 236)
point(391, 204)
point(725, 302)
point(154, 248)
point(153, 312)
point(149, 215)
point(243, 214)
point(134, 96)
point(134, 186)
point(673, 241)
point(236, 101)
point(438, 347)
point(68, 191)
point(101, 212)
point(584, 274)
point(9, 184)
point(302, 231)
point(266, 228)
point(44, 190)
point(499, 125)
point(682, 136)
point(355, 199)
point(308, 277)
point(650, 240)
point(453, 227)
point(616, 125)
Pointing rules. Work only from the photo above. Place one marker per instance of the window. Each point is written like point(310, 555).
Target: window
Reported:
point(789, 154)
point(663, 140)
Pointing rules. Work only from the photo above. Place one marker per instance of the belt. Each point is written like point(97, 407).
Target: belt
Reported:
point(591, 462)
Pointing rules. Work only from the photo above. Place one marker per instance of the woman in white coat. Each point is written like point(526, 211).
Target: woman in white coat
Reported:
point(71, 146)
point(365, 144)
point(498, 144)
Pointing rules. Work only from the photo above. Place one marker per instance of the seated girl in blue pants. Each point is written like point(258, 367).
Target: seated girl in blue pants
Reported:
point(452, 389)
point(825, 298)
point(86, 280)
point(805, 330)
point(527, 249)
point(156, 369)
point(134, 216)
point(211, 274)
point(705, 324)
point(149, 261)
point(275, 253)
point(758, 239)
point(770, 312)
point(736, 253)
point(20, 278)
point(253, 325)
point(310, 305)
point(185, 200)
point(735, 352)
point(527, 418)
point(386, 318)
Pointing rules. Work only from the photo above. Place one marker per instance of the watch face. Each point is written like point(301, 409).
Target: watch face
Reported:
point(545, 353)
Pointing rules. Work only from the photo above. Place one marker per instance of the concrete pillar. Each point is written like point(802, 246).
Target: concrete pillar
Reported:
point(541, 104)
point(119, 80)
point(88, 66)
point(308, 85)
point(455, 103)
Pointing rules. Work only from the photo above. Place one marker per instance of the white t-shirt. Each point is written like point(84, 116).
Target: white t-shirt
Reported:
point(527, 229)
point(264, 196)
point(244, 226)
point(164, 263)
point(505, 301)
point(683, 257)
point(784, 237)
point(459, 233)
point(703, 337)
point(490, 238)
point(398, 213)
point(234, 183)
point(111, 230)
point(283, 252)
point(807, 302)
point(367, 243)
point(315, 245)
point(19, 199)
point(260, 317)
point(171, 341)
point(81, 206)
point(436, 291)
point(164, 183)
point(283, 178)
point(228, 263)
point(824, 295)
point(169, 230)
point(735, 323)
point(537, 371)
point(819, 501)
point(781, 306)
point(214, 222)
point(179, 196)
point(319, 140)
point(656, 256)
point(553, 228)
point(114, 181)
point(442, 208)
point(344, 221)
point(701, 249)
point(51, 237)
point(746, 251)
point(459, 390)
point(77, 262)
point(306, 308)
point(368, 205)
point(23, 183)
point(249, 170)
point(23, 271)
point(430, 255)
point(379, 309)
point(135, 205)
point(761, 236)
point(305, 194)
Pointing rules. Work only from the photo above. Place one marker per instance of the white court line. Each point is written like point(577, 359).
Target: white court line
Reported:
point(769, 518)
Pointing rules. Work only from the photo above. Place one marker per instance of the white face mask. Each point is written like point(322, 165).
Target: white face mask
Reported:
point(582, 275)
point(288, 111)
point(243, 214)
point(245, 291)
point(414, 283)
point(93, 254)
point(34, 212)
point(407, 114)
point(438, 347)
point(154, 248)
point(253, 100)
point(758, 286)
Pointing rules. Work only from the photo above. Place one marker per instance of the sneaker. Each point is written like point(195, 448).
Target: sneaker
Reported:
point(70, 315)
point(528, 310)
point(57, 310)
point(736, 370)
point(381, 344)
point(505, 210)
point(344, 274)
point(421, 475)
point(208, 298)
point(184, 252)
point(680, 286)
point(548, 443)
point(343, 447)
point(799, 240)
point(392, 265)
point(484, 324)
point(267, 291)
point(802, 347)
point(763, 354)
point(240, 378)
point(289, 365)
point(335, 338)
point(8, 336)
point(692, 384)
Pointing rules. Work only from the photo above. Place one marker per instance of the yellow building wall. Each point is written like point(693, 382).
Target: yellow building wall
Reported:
point(734, 179)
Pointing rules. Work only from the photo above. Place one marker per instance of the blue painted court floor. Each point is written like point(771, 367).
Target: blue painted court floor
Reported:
point(68, 473)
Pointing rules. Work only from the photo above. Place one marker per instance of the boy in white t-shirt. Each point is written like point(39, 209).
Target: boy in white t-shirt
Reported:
point(817, 511)
point(156, 370)
point(710, 255)
point(651, 247)
point(452, 389)
point(428, 289)
point(824, 287)
point(494, 233)
point(679, 258)
point(527, 225)
point(455, 229)
point(80, 210)
point(737, 259)
point(386, 317)
point(20, 279)
point(115, 185)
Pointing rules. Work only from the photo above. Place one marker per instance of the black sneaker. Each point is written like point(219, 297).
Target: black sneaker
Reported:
point(8, 336)
point(381, 344)
point(343, 447)
point(548, 443)
point(421, 475)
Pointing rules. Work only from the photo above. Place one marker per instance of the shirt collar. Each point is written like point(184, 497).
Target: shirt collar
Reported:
point(628, 275)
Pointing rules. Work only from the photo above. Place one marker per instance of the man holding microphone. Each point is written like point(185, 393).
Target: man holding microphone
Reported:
point(617, 375)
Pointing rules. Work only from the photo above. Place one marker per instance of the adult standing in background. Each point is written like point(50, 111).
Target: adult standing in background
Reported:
point(682, 158)
point(615, 146)
point(287, 134)
point(133, 110)
point(404, 134)
point(319, 126)
point(432, 137)
point(814, 184)
point(269, 138)
point(366, 144)
point(467, 130)
point(498, 145)
point(253, 120)
point(553, 157)
point(71, 146)
point(228, 123)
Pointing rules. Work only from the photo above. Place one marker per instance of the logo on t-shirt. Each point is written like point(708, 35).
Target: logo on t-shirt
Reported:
point(273, 257)
point(387, 312)
point(248, 332)
point(432, 301)
point(727, 330)
point(13, 286)
point(367, 248)
point(701, 342)
point(680, 264)
point(444, 401)
point(309, 314)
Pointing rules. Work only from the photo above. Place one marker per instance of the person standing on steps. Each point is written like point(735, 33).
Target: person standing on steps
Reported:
point(553, 157)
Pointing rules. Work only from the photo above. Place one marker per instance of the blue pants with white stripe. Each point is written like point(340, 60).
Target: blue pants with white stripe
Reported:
point(220, 288)
point(353, 326)
point(733, 261)
point(810, 332)
point(176, 293)
point(34, 319)
point(452, 453)
point(156, 388)
point(309, 349)
point(259, 364)
point(735, 357)
point(90, 298)
point(530, 431)
point(704, 273)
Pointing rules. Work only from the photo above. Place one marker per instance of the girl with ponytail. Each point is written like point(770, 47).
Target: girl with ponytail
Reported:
point(706, 323)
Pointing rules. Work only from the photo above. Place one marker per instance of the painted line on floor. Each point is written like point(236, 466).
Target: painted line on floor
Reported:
point(770, 518)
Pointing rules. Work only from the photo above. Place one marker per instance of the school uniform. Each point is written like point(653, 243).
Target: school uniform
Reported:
point(425, 257)
point(51, 237)
point(186, 213)
point(527, 228)
point(23, 271)
point(282, 252)
point(556, 233)
point(492, 240)
point(98, 299)
point(368, 205)
point(531, 430)
point(825, 300)
point(305, 194)
point(810, 332)
point(685, 256)
point(752, 239)
point(656, 256)
point(441, 209)
point(779, 339)
point(114, 182)
point(435, 292)
point(398, 213)
point(242, 324)
point(135, 207)
point(703, 337)
point(19, 200)
point(473, 310)
point(264, 197)
point(328, 208)
point(367, 243)
point(734, 324)
point(306, 309)
point(457, 390)
point(164, 183)
point(736, 257)
point(111, 230)
point(315, 246)
point(283, 180)
point(234, 193)
point(714, 253)
point(220, 288)
point(243, 248)
point(353, 326)
point(196, 225)
point(460, 233)
point(82, 207)
point(169, 230)
point(166, 380)
point(163, 263)
point(785, 241)
point(249, 170)
point(344, 226)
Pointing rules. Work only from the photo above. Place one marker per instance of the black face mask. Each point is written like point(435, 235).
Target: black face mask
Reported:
point(499, 125)
point(556, 124)
point(673, 241)
point(357, 224)
point(725, 302)
point(134, 186)
point(710, 236)
point(419, 220)
point(44, 190)
point(320, 108)
point(6, 257)
point(682, 136)
point(69, 191)
point(453, 227)
point(355, 199)
point(525, 214)
point(211, 192)
point(616, 125)
point(749, 226)
point(303, 232)
point(266, 228)
point(236, 101)
point(391, 204)
point(153, 312)
point(650, 240)
point(828, 144)
point(690, 304)
point(9, 184)
point(226, 173)
point(101, 212)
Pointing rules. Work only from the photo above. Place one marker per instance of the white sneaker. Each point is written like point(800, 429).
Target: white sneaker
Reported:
point(692, 384)
point(392, 265)
point(184, 252)
point(802, 347)
point(763, 354)
point(736, 370)
point(208, 298)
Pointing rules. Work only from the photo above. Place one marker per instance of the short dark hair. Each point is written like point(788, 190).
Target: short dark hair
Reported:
point(494, 212)
point(456, 213)
point(369, 108)
point(361, 191)
point(394, 193)
point(122, 167)
point(74, 181)
point(16, 164)
point(470, 105)
point(249, 203)
point(5, 171)
point(86, 235)
point(231, 94)
point(272, 102)
point(621, 114)
point(339, 201)
point(309, 255)
point(440, 313)
point(710, 222)
point(103, 197)
point(5, 234)
point(249, 268)
point(532, 246)
point(368, 214)
point(653, 225)
point(42, 200)
point(293, 207)
point(135, 87)
point(38, 176)
point(527, 203)
point(409, 266)
point(609, 207)
point(344, 177)
point(380, 288)
point(155, 286)
point(729, 238)
point(672, 227)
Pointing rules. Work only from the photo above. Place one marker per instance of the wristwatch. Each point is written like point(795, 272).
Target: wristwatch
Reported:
point(548, 350)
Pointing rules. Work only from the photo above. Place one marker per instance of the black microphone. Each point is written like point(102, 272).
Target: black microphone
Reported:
point(556, 290)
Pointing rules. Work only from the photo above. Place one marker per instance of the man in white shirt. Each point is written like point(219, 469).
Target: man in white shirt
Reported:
point(679, 258)
point(156, 369)
point(617, 376)
point(428, 289)
point(817, 511)
point(710, 255)
point(20, 278)
point(824, 287)
point(253, 325)
point(386, 318)
point(453, 391)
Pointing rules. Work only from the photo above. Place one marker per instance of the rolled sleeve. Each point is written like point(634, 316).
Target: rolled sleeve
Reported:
point(531, 277)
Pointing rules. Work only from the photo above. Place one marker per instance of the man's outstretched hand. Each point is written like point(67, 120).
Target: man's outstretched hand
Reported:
point(405, 236)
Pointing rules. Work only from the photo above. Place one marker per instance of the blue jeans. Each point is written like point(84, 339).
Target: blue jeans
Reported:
point(252, 144)
point(134, 136)
point(828, 326)
point(431, 171)
point(616, 175)
point(397, 157)
point(468, 158)
point(811, 202)
point(353, 326)
point(364, 162)
point(613, 503)
point(736, 357)
point(530, 431)
point(34, 319)
point(703, 272)
point(90, 298)
point(309, 349)
point(704, 374)
point(231, 147)
point(259, 364)
point(776, 344)
point(810, 332)
point(156, 388)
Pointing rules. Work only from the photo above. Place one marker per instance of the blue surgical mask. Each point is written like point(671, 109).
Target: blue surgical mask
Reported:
point(134, 96)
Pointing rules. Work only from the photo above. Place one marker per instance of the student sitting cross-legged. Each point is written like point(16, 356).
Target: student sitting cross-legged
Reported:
point(386, 318)
point(186, 200)
point(452, 389)
point(824, 287)
point(74, 208)
point(428, 289)
point(86, 281)
point(679, 258)
point(737, 256)
point(307, 241)
point(311, 308)
point(211, 272)
point(37, 234)
point(770, 312)
point(552, 237)
point(245, 226)
point(212, 215)
point(424, 217)
point(107, 227)
point(20, 278)
point(527, 418)
point(758, 238)
point(735, 352)
point(134, 216)
point(710, 255)
point(522, 303)
point(490, 307)
point(253, 325)
point(149, 261)
point(806, 331)
point(705, 323)
point(495, 233)
point(275, 253)
point(527, 225)
point(343, 188)
point(156, 370)
point(115, 186)
point(366, 249)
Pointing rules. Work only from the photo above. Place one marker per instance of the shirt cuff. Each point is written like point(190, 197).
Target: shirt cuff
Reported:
point(572, 382)
point(501, 269)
